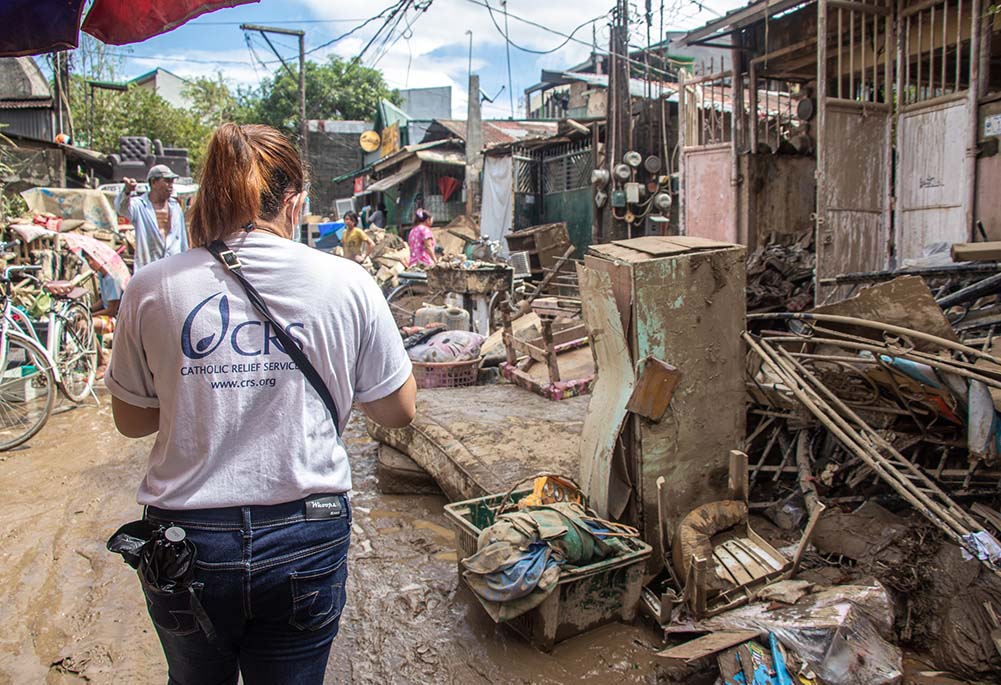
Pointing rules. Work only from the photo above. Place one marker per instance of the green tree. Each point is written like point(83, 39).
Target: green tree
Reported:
point(213, 102)
point(135, 112)
point(337, 89)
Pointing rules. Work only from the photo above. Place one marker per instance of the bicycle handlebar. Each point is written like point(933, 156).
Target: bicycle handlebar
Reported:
point(4, 246)
point(21, 267)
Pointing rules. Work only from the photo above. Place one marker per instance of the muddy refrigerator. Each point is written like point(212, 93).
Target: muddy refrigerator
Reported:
point(656, 303)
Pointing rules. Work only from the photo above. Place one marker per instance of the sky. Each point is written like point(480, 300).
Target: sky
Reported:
point(428, 48)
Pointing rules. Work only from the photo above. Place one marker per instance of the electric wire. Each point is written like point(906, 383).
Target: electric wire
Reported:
point(510, 42)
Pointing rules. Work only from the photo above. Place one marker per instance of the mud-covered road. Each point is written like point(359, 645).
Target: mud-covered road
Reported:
point(72, 612)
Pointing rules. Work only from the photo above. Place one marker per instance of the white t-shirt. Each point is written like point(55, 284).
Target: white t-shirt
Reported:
point(239, 423)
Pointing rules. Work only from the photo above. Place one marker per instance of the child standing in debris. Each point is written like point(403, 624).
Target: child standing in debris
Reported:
point(248, 463)
point(421, 240)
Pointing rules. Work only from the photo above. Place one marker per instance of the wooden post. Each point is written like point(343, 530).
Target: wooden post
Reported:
point(551, 361)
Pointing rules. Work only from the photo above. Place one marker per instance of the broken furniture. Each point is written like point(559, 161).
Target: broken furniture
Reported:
point(137, 154)
point(477, 286)
point(680, 300)
point(723, 562)
point(544, 244)
point(572, 338)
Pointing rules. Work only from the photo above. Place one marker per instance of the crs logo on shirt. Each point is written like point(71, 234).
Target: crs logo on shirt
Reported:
point(203, 333)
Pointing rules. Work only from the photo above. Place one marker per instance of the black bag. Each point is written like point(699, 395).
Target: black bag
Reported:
point(164, 558)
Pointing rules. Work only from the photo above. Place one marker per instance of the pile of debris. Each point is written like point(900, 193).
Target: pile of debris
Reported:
point(780, 274)
point(850, 407)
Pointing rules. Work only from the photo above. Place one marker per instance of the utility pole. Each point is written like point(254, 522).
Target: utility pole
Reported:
point(618, 113)
point(264, 31)
point(474, 144)
point(507, 44)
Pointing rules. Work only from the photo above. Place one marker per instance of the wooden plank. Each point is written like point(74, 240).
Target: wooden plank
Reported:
point(708, 644)
point(655, 245)
point(749, 568)
point(992, 516)
point(606, 412)
point(734, 565)
point(976, 252)
point(654, 389)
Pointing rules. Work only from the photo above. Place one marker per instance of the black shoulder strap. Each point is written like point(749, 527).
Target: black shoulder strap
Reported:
point(229, 260)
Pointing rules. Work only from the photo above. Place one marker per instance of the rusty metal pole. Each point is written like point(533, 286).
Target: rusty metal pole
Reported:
point(820, 174)
point(973, 95)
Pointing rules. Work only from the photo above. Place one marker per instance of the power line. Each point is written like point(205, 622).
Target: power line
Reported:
point(530, 50)
point(360, 26)
point(627, 58)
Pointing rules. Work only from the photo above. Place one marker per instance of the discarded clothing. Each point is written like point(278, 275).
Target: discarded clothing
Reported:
point(518, 559)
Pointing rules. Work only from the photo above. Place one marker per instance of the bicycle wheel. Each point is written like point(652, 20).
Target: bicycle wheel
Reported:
point(406, 299)
point(27, 391)
point(76, 355)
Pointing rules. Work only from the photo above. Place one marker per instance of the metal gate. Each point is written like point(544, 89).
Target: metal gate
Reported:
point(709, 200)
point(854, 98)
point(935, 149)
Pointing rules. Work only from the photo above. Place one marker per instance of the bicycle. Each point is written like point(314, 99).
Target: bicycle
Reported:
point(27, 374)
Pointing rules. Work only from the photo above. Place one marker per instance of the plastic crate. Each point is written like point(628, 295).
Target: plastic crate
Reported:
point(586, 596)
point(446, 374)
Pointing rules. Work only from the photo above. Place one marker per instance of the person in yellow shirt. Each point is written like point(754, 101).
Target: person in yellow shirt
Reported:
point(357, 245)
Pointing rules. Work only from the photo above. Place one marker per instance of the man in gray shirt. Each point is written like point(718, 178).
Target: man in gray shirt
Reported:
point(157, 216)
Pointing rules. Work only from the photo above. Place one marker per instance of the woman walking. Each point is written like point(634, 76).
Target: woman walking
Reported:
point(248, 459)
point(421, 240)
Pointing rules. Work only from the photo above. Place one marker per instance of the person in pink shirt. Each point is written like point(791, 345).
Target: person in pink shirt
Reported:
point(421, 240)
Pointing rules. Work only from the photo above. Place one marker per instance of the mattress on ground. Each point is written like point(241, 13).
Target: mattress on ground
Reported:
point(483, 439)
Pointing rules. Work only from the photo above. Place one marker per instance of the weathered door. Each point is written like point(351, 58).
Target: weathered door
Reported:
point(935, 138)
point(710, 195)
point(854, 115)
point(853, 233)
point(933, 181)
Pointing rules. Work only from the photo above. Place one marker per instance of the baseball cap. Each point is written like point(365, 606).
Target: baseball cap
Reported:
point(160, 171)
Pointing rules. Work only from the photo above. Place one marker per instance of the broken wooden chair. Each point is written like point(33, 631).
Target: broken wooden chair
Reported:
point(546, 349)
point(723, 562)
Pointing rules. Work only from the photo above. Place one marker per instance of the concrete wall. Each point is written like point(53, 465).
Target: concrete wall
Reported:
point(168, 86)
point(427, 103)
point(334, 150)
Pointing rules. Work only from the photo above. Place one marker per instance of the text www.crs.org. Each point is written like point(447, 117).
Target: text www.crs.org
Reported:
point(244, 383)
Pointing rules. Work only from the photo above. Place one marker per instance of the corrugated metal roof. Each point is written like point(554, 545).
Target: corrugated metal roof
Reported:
point(34, 103)
point(503, 130)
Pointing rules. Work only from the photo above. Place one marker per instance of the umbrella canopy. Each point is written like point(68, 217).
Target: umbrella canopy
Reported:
point(35, 26)
point(101, 253)
point(32, 27)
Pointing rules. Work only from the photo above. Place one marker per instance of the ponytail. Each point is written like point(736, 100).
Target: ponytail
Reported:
point(248, 170)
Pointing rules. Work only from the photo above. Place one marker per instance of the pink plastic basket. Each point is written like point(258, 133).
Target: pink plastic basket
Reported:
point(446, 374)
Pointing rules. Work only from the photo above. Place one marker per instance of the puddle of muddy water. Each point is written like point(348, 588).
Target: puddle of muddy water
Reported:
point(72, 612)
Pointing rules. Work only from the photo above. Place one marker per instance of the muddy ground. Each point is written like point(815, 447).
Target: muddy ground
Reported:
point(73, 612)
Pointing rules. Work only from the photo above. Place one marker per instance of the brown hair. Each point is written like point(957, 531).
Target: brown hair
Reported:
point(248, 171)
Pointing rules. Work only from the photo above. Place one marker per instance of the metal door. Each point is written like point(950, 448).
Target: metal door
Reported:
point(709, 196)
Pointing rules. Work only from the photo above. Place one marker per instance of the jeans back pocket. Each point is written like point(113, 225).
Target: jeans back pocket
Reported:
point(318, 596)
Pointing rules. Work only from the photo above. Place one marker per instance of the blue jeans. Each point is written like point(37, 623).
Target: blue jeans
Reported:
point(273, 587)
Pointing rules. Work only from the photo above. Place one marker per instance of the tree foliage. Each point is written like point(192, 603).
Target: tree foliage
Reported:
point(336, 89)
